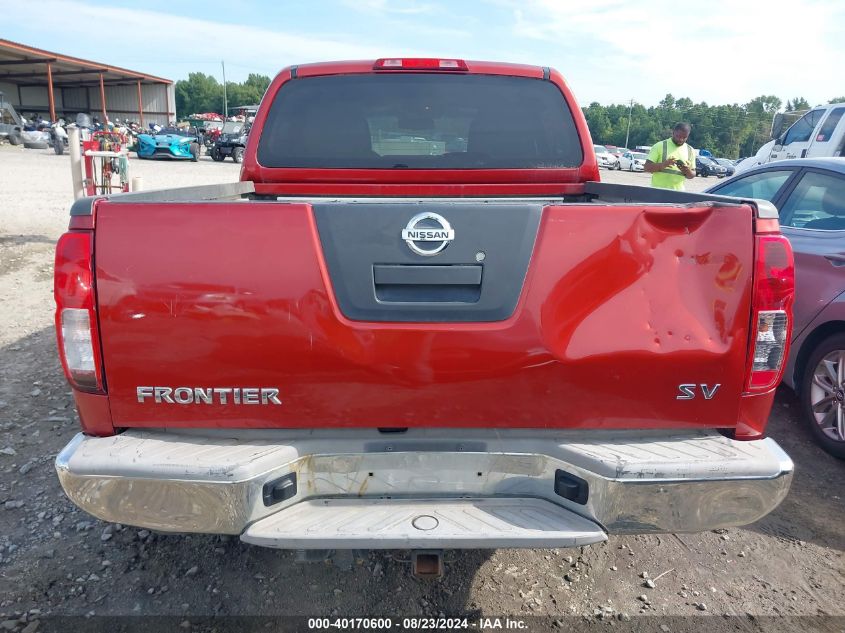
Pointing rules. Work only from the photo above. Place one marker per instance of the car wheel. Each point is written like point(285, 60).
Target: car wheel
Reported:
point(195, 152)
point(58, 146)
point(238, 154)
point(823, 394)
point(216, 156)
point(15, 139)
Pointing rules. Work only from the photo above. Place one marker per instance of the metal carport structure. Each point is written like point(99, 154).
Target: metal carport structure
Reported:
point(35, 80)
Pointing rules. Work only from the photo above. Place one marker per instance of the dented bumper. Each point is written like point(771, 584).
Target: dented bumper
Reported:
point(617, 482)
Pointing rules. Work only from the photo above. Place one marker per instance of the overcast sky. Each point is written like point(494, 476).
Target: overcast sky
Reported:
point(610, 51)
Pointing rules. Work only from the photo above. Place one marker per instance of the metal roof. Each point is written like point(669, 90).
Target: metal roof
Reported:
point(25, 65)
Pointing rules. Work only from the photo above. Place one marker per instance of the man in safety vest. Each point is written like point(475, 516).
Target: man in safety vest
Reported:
point(672, 161)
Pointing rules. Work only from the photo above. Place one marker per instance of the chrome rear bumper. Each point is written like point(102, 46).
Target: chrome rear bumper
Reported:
point(635, 482)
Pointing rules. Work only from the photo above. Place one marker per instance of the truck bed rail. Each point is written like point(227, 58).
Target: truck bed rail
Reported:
point(635, 194)
point(224, 192)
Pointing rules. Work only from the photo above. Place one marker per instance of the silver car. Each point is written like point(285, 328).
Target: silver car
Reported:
point(810, 194)
point(633, 161)
point(605, 158)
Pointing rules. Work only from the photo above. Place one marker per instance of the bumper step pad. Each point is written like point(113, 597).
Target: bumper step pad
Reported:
point(432, 523)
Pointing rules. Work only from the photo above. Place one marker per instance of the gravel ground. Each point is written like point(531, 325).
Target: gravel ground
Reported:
point(782, 573)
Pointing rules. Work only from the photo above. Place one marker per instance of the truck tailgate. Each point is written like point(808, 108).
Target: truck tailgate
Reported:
point(566, 316)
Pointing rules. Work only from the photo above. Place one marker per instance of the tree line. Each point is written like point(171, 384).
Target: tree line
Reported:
point(730, 131)
point(725, 130)
point(203, 93)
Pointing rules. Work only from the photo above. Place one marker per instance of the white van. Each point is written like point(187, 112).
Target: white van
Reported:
point(820, 132)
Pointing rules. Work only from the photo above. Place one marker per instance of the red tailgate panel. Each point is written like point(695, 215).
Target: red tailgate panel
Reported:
point(621, 304)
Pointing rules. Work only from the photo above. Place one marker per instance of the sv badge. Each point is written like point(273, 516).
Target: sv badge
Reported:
point(687, 392)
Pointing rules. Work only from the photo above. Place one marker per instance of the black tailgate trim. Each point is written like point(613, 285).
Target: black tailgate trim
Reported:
point(478, 277)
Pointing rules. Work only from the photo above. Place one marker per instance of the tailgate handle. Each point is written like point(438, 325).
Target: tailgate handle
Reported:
point(399, 275)
point(434, 285)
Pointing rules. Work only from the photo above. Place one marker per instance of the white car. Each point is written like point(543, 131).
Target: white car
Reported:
point(632, 161)
point(605, 158)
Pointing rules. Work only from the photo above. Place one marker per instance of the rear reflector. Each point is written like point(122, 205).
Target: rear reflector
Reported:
point(769, 347)
point(78, 347)
point(419, 63)
point(774, 288)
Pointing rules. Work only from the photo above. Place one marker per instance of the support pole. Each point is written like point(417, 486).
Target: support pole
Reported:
point(75, 161)
point(225, 101)
point(50, 94)
point(167, 101)
point(103, 101)
point(140, 104)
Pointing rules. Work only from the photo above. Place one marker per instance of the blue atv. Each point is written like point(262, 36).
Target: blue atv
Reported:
point(169, 142)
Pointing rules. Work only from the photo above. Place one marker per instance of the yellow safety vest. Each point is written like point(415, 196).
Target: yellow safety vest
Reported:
point(670, 177)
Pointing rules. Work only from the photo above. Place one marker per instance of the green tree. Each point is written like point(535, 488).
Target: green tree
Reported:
point(684, 103)
point(248, 92)
point(202, 93)
point(766, 103)
point(198, 93)
point(798, 103)
point(598, 122)
point(257, 85)
point(837, 100)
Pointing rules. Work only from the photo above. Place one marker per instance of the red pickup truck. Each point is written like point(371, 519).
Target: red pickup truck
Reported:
point(419, 321)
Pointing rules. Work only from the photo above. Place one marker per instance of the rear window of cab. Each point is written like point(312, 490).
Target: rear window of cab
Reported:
point(419, 121)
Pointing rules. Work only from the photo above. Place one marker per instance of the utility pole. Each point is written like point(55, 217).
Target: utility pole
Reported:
point(628, 133)
point(225, 102)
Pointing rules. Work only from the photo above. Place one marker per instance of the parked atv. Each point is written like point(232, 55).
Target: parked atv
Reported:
point(231, 142)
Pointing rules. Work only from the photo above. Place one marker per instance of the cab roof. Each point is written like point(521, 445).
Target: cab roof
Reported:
point(369, 66)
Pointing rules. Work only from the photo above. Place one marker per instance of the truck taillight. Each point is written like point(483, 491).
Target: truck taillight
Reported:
point(774, 290)
point(76, 319)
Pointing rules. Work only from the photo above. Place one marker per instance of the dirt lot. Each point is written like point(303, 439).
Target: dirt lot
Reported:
point(781, 573)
